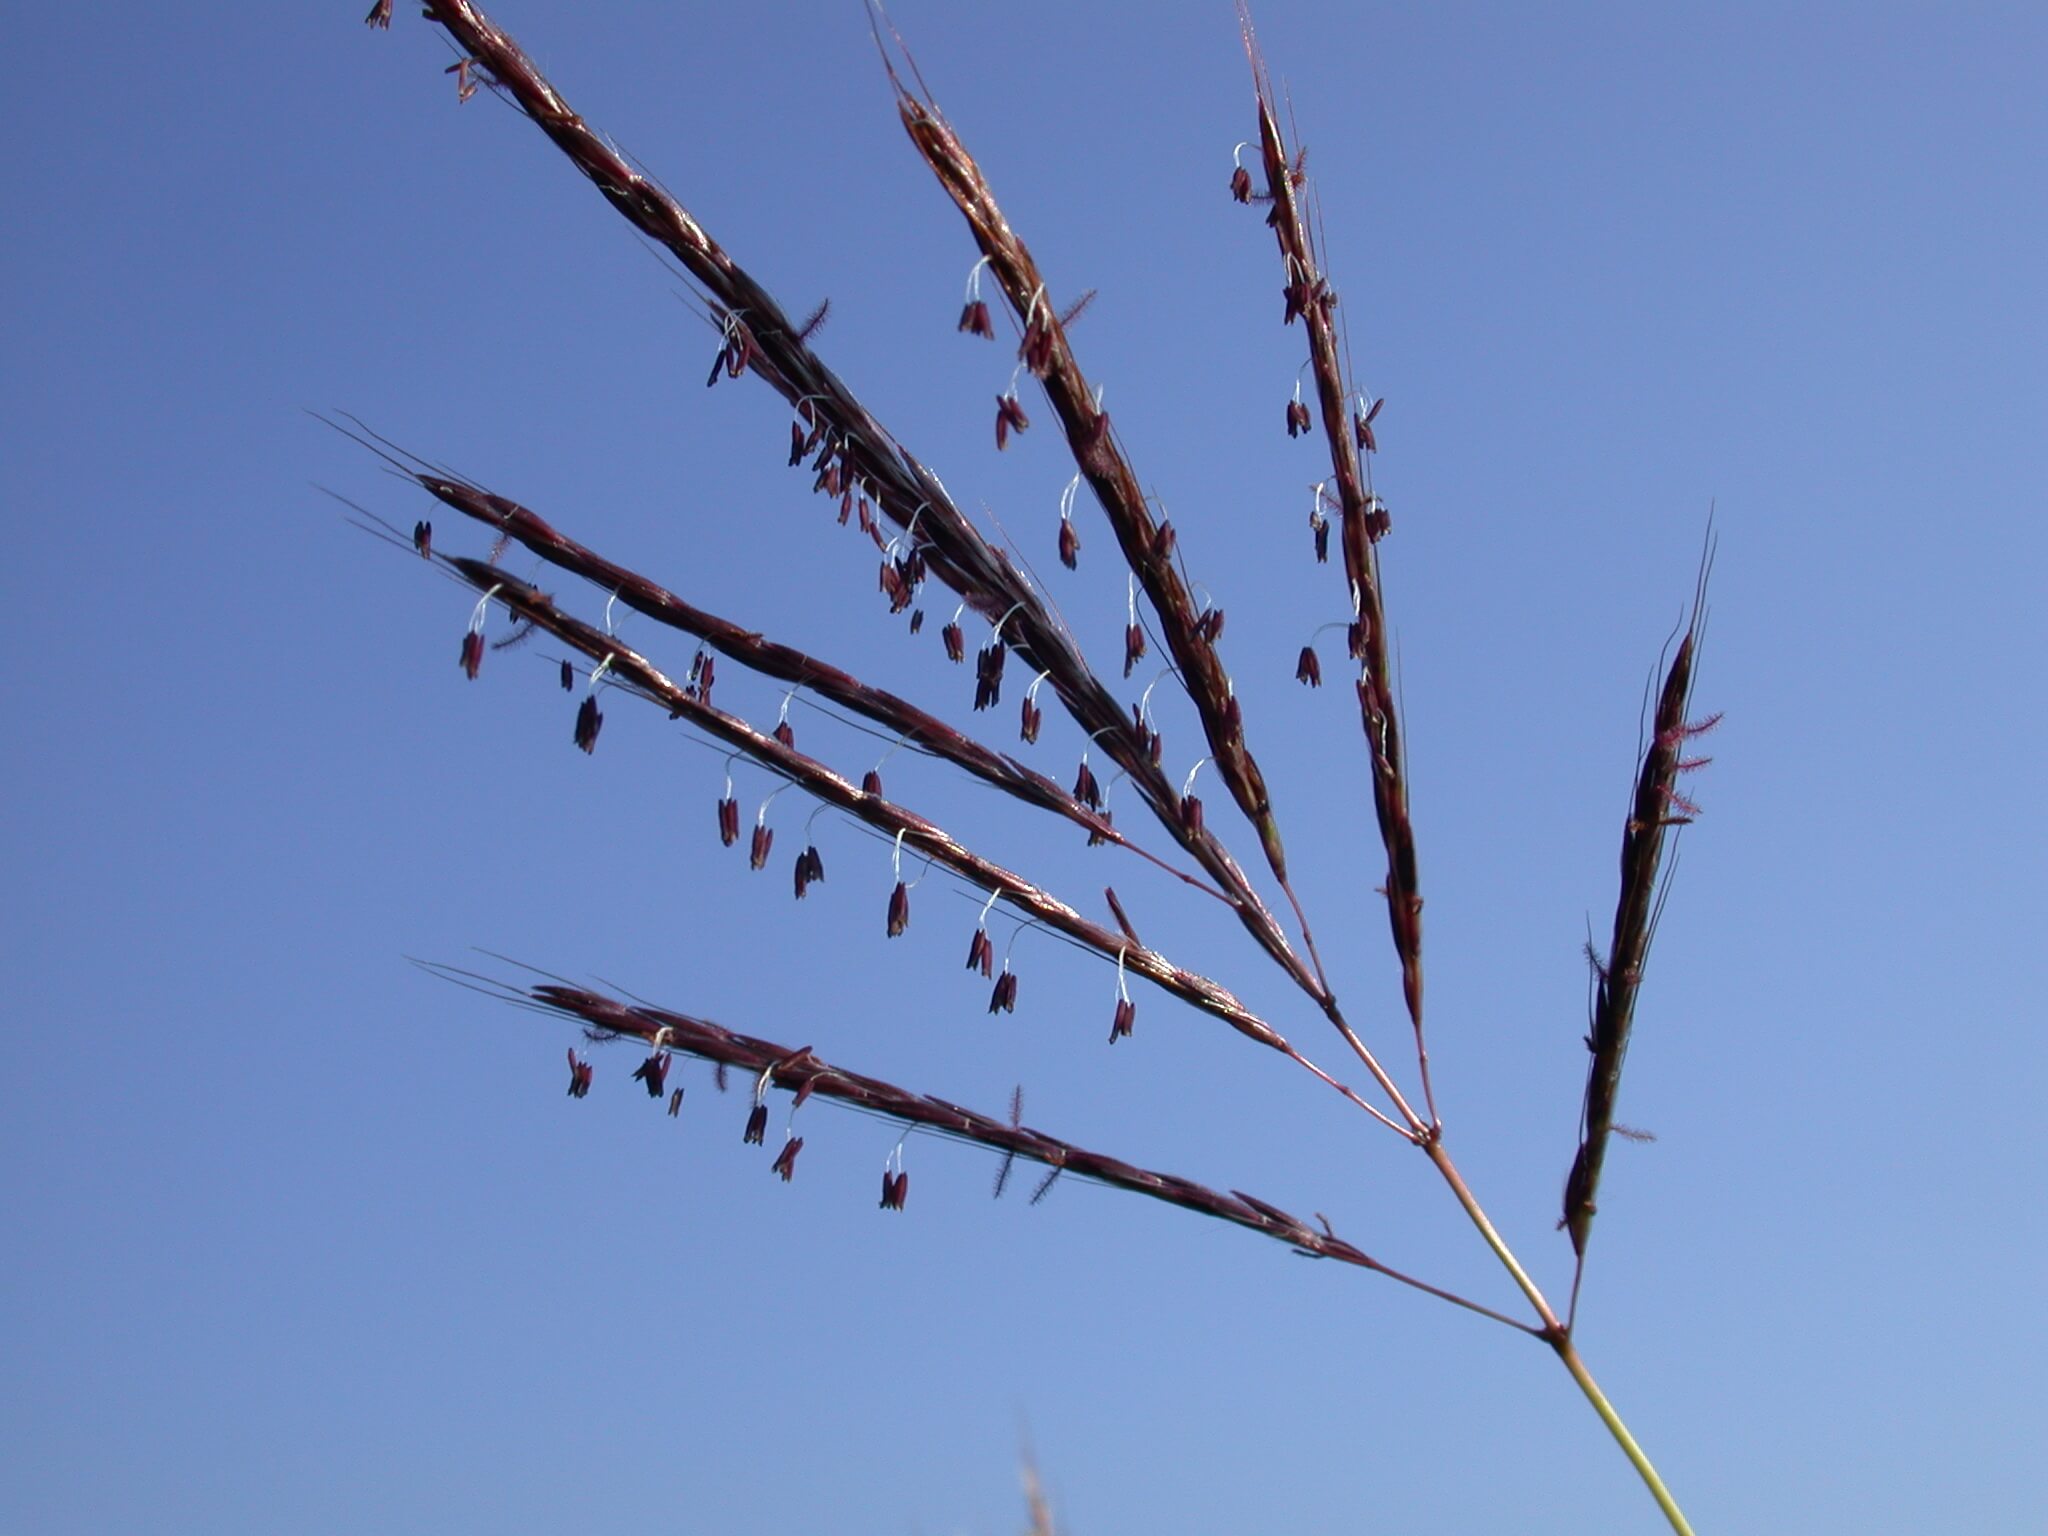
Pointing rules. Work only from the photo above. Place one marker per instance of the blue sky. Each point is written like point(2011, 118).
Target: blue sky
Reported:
point(299, 1237)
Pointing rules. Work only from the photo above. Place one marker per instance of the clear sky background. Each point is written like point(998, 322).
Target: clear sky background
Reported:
point(298, 1238)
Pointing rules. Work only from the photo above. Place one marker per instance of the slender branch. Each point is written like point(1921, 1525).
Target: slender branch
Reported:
point(1147, 548)
point(786, 663)
point(760, 339)
point(928, 839)
point(1310, 298)
point(804, 1073)
point(1656, 809)
point(535, 607)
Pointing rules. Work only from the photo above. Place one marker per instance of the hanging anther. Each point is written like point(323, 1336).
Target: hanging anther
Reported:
point(589, 718)
point(1190, 807)
point(1310, 668)
point(473, 637)
point(1240, 178)
point(1299, 422)
point(1361, 424)
point(654, 1073)
point(735, 351)
point(785, 1160)
point(1134, 632)
point(1379, 522)
point(1070, 540)
point(764, 835)
point(1033, 717)
point(899, 898)
point(1010, 416)
point(1036, 348)
point(974, 320)
point(728, 811)
point(1318, 524)
point(1126, 1011)
point(896, 1184)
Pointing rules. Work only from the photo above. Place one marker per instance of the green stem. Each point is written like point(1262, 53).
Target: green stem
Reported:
point(1569, 1354)
point(1559, 1338)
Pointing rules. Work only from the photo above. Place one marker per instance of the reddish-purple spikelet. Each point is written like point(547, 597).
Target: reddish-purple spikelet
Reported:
point(675, 1103)
point(955, 641)
point(1241, 184)
point(1299, 421)
point(472, 653)
point(380, 14)
point(871, 783)
point(757, 1125)
point(1028, 729)
point(423, 538)
point(1134, 646)
point(1070, 544)
point(974, 319)
point(899, 909)
point(728, 821)
point(1086, 790)
point(1310, 668)
point(764, 839)
point(580, 1073)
